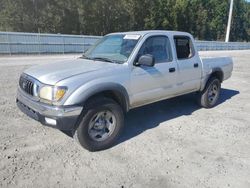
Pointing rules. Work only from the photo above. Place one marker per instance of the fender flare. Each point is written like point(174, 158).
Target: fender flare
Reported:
point(216, 69)
point(81, 95)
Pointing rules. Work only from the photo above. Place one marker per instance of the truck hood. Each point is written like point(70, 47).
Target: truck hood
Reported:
point(55, 72)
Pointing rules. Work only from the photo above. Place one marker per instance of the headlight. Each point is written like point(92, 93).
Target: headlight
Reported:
point(52, 93)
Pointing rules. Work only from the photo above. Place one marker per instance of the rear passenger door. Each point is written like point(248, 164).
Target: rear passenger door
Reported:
point(189, 67)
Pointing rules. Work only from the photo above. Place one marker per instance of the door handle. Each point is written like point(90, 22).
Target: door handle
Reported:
point(196, 65)
point(172, 69)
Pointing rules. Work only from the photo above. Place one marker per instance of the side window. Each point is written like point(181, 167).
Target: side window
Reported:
point(184, 47)
point(158, 47)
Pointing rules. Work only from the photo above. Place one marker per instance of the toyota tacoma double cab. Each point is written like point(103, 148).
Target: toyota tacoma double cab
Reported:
point(90, 95)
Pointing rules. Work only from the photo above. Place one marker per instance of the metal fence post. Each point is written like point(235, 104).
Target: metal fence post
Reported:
point(63, 44)
point(8, 38)
point(39, 44)
point(83, 39)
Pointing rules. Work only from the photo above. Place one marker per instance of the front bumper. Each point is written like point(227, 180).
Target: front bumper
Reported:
point(61, 117)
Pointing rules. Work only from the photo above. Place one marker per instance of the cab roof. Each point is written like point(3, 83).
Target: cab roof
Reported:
point(143, 33)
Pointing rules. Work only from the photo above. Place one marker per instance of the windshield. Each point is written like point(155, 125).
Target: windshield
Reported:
point(113, 48)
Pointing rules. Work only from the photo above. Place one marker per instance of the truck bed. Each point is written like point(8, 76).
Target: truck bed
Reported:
point(225, 63)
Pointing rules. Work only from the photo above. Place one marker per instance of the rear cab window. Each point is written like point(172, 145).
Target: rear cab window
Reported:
point(184, 47)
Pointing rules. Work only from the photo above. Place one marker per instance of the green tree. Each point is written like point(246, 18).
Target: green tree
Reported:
point(205, 19)
point(102, 17)
point(240, 22)
point(161, 15)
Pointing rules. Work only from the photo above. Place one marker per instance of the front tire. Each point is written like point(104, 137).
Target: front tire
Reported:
point(101, 125)
point(210, 95)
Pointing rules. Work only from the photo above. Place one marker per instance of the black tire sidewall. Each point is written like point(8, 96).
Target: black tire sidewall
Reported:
point(204, 98)
point(82, 132)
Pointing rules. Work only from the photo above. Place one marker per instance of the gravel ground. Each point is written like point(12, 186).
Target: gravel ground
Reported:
point(173, 143)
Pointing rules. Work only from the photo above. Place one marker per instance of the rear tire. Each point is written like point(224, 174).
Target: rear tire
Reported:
point(101, 125)
point(210, 95)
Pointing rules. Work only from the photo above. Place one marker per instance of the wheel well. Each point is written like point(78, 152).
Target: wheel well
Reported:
point(115, 95)
point(217, 74)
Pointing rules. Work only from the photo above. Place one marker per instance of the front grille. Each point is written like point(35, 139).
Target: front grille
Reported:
point(26, 85)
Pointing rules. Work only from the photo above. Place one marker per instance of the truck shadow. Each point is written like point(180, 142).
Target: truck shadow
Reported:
point(150, 116)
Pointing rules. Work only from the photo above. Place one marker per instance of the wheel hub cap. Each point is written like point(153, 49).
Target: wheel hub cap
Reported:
point(102, 125)
point(213, 93)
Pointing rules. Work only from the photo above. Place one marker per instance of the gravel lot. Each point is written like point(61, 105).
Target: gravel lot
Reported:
point(173, 143)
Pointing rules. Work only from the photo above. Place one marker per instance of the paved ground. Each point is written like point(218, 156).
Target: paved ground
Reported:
point(173, 143)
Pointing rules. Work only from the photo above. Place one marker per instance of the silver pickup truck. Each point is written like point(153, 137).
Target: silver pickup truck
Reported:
point(90, 95)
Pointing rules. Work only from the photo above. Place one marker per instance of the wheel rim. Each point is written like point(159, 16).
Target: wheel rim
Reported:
point(213, 93)
point(102, 125)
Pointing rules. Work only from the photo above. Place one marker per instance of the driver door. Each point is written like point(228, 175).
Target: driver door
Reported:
point(150, 84)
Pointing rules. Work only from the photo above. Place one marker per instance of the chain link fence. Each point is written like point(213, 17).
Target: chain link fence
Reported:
point(36, 43)
point(217, 45)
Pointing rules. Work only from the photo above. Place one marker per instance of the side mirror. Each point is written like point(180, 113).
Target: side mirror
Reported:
point(146, 60)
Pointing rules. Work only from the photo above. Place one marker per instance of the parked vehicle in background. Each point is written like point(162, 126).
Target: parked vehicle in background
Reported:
point(90, 95)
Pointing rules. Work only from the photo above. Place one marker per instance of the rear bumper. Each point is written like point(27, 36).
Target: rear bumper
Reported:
point(63, 118)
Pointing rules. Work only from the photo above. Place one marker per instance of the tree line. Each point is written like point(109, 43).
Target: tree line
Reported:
point(205, 19)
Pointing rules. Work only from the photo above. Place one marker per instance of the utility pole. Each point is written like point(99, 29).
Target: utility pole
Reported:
point(229, 20)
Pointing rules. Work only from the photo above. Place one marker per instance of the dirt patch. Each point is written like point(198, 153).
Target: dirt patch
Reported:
point(173, 143)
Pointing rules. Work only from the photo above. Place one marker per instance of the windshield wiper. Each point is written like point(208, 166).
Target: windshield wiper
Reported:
point(84, 57)
point(104, 59)
point(100, 59)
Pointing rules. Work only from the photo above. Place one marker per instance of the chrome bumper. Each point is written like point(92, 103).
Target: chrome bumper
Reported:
point(61, 117)
point(48, 110)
